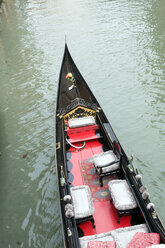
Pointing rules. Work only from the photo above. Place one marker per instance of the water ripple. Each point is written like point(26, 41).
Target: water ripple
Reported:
point(119, 48)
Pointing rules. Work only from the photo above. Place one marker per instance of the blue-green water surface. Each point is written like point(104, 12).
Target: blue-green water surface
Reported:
point(119, 47)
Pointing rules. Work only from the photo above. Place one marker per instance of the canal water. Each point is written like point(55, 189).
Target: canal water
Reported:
point(119, 47)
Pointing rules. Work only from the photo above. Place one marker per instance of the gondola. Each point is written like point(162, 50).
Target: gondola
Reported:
point(102, 199)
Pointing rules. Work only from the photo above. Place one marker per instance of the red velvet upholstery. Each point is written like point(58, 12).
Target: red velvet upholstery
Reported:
point(143, 240)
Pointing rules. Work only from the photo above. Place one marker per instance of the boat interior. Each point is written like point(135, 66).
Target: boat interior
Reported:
point(99, 191)
point(102, 197)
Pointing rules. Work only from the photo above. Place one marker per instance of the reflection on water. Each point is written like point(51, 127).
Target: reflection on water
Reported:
point(152, 63)
point(119, 48)
point(29, 208)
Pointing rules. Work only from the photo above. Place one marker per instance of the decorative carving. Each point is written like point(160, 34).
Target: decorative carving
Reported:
point(77, 102)
point(80, 111)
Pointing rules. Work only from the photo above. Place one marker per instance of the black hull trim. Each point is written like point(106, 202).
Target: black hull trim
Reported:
point(74, 103)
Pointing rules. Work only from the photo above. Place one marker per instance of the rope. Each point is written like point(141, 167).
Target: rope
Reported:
point(76, 147)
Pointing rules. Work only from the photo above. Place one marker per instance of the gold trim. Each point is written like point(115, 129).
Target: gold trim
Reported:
point(58, 145)
point(154, 215)
point(79, 112)
point(69, 232)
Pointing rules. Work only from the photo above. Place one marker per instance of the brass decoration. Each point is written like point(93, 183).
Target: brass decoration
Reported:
point(69, 232)
point(154, 215)
point(79, 111)
point(78, 102)
point(58, 145)
point(62, 178)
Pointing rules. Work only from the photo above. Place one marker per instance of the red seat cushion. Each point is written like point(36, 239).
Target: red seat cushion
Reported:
point(101, 244)
point(143, 240)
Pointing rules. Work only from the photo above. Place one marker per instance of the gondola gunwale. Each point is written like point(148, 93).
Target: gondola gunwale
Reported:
point(71, 241)
point(154, 225)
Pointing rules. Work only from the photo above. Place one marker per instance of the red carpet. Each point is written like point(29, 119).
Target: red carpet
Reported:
point(91, 179)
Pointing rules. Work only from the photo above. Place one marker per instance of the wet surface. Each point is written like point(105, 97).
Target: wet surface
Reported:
point(119, 48)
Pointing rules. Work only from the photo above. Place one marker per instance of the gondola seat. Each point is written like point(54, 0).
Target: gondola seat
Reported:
point(122, 197)
point(97, 237)
point(121, 236)
point(82, 203)
point(106, 164)
point(81, 122)
point(82, 129)
point(142, 240)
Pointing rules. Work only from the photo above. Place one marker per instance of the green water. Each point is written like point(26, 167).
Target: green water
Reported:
point(119, 46)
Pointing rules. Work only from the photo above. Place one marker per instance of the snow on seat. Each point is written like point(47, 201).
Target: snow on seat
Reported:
point(104, 159)
point(121, 194)
point(81, 122)
point(123, 236)
point(97, 237)
point(106, 164)
point(82, 201)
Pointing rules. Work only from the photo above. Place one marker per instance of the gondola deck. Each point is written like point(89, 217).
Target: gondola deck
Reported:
point(93, 170)
point(104, 220)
